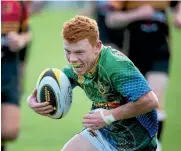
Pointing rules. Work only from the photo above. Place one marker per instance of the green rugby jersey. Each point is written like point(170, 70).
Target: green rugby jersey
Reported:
point(115, 81)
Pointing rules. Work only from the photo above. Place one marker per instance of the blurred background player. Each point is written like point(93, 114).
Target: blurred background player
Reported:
point(15, 36)
point(98, 11)
point(149, 39)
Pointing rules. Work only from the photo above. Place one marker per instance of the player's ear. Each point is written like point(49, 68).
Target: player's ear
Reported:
point(98, 46)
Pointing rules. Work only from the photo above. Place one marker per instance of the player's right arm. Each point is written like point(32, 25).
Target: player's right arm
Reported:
point(45, 108)
point(118, 18)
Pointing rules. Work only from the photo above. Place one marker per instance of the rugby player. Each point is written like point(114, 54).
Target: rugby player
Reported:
point(15, 35)
point(123, 115)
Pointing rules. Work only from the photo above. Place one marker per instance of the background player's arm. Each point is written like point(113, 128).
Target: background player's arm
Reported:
point(131, 84)
point(18, 41)
point(118, 18)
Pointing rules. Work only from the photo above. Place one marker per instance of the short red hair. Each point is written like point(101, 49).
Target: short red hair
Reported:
point(79, 28)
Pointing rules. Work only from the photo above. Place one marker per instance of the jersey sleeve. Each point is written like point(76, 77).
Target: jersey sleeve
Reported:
point(128, 81)
point(25, 17)
point(69, 74)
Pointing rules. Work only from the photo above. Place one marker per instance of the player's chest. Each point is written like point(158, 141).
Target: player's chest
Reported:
point(98, 89)
point(11, 14)
point(10, 11)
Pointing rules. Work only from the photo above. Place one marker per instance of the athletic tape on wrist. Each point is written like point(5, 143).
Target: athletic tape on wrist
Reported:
point(107, 119)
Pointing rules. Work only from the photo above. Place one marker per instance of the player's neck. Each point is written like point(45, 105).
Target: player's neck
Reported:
point(93, 69)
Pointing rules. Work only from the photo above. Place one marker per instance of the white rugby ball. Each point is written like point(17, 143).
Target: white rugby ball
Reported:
point(54, 86)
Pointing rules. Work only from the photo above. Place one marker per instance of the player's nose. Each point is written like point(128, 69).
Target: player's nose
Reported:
point(73, 58)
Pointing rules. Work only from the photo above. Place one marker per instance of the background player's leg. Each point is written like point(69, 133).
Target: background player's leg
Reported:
point(10, 118)
point(158, 82)
point(78, 143)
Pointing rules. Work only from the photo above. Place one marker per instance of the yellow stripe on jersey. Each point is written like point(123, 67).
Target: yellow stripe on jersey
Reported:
point(7, 27)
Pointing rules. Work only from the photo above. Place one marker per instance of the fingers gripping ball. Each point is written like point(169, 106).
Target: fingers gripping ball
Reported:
point(54, 87)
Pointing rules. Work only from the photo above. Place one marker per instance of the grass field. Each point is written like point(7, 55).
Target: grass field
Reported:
point(43, 134)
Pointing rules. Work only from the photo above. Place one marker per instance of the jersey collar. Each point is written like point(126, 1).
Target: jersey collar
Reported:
point(93, 70)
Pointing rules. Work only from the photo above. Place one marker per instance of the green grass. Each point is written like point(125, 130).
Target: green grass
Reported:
point(172, 131)
point(43, 134)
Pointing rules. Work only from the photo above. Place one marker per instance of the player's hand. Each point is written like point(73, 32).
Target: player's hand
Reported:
point(94, 120)
point(43, 109)
point(15, 41)
point(112, 19)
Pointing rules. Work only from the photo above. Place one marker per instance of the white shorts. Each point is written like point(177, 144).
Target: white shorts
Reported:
point(98, 141)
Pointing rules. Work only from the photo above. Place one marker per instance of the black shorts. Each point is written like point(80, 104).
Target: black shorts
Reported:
point(9, 79)
point(157, 66)
point(23, 53)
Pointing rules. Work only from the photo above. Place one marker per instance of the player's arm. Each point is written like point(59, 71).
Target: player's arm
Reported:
point(144, 104)
point(132, 86)
point(130, 83)
point(45, 108)
point(118, 18)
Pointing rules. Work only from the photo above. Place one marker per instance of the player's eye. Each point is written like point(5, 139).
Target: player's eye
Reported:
point(79, 52)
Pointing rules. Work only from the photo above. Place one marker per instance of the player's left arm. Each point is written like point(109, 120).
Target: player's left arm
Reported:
point(144, 104)
point(131, 84)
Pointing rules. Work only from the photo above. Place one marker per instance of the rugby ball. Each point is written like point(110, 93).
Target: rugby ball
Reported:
point(54, 87)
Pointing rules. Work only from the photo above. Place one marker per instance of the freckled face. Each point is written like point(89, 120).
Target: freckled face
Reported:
point(82, 55)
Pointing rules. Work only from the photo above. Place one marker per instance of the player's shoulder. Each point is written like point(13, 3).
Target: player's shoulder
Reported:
point(68, 70)
point(111, 57)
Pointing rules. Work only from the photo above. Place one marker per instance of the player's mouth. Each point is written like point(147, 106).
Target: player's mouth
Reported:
point(77, 66)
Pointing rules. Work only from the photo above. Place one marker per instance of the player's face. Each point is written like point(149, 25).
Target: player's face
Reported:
point(82, 55)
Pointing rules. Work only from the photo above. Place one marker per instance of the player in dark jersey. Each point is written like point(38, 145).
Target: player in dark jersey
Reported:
point(15, 35)
point(98, 10)
point(123, 115)
point(149, 40)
